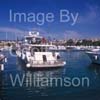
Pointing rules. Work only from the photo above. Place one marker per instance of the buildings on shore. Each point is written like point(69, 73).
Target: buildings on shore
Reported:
point(85, 42)
point(69, 42)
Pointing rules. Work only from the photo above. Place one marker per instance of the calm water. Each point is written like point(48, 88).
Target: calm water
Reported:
point(78, 65)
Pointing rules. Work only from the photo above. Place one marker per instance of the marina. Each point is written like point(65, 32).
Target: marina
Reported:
point(62, 69)
point(49, 48)
point(35, 53)
point(74, 68)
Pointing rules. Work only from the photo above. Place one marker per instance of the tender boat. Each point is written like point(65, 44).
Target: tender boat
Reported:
point(36, 54)
point(94, 55)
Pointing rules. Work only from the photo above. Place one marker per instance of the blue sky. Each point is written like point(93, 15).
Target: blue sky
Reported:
point(87, 25)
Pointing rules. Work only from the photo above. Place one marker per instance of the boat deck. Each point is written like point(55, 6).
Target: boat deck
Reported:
point(47, 64)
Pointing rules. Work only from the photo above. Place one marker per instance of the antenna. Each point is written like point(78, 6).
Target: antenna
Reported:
point(37, 33)
point(30, 33)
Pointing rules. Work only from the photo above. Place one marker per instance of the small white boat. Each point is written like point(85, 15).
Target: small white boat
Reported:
point(94, 55)
point(3, 59)
point(57, 48)
point(36, 54)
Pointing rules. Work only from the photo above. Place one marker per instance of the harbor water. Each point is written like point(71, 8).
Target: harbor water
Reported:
point(78, 67)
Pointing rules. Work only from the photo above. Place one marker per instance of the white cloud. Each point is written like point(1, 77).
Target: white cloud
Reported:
point(91, 16)
point(15, 32)
point(72, 34)
point(68, 34)
point(19, 31)
point(11, 33)
point(11, 30)
point(39, 30)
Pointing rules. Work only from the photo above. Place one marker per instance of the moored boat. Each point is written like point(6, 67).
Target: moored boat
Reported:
point(94, 55)
point(36, 54)
point(3, 59)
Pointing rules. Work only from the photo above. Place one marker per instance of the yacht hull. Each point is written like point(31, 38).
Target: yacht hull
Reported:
point(95, 58)
point(47, 66)
point(43, 65)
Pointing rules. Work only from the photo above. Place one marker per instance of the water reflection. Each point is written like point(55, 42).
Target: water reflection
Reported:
point(1, 86)
point(95, 68)
point(77, 65)
point(30, 86)
point(0, 83)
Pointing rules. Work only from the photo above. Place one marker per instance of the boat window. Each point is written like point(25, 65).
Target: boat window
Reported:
point(38, 40)
point(39, 49)
point(44, 58)
point(32, 40)
point(58, 57)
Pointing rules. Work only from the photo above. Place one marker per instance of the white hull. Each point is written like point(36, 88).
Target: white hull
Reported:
point(47, 65)
point(40, 64)
point(95, 57)
point(35, 52)
point(44, 65)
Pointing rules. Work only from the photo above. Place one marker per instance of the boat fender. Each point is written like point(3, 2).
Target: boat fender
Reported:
point(5, 59)
point(28, 65)
point(20, 55)
point(96, 57)
point(2, 67)
point(64, 63)
point(23, 56)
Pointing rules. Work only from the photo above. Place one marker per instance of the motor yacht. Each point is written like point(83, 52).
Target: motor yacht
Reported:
point(35, 53)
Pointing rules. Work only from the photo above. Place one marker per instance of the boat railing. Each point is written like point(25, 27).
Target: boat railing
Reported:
point(49, 62)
